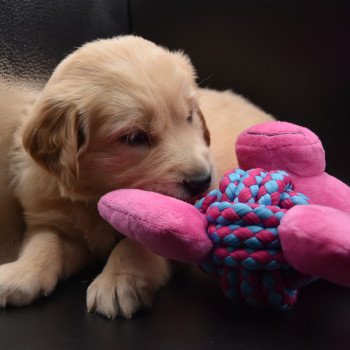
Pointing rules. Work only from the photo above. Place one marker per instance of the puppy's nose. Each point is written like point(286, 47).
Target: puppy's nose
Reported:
point(197, 183)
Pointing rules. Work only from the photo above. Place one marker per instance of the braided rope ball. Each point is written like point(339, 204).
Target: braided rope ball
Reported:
point(244, 215)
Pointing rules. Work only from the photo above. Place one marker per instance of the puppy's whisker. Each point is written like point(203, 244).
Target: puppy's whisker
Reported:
point(205, 79)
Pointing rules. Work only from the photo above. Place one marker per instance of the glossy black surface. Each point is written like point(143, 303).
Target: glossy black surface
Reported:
point(190, 313)
point(35, 35)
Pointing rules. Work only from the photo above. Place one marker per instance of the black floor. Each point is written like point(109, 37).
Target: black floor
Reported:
point(190, 313)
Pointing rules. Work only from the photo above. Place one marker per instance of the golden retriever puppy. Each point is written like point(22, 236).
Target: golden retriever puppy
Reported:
point(116, 113)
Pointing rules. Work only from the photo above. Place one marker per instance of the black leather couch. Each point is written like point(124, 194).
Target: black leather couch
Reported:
point(290, 57)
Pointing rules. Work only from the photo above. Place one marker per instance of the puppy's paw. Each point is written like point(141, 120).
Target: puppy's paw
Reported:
point(20, 285)
point(112, 295)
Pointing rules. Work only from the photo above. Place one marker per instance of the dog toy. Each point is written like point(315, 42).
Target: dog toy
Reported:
point(235, 233)
point(316, 238)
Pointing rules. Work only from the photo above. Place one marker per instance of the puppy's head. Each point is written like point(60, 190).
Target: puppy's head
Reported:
point(122, 113)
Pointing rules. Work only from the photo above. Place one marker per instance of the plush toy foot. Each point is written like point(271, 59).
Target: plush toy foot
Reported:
point(164, 225)
point(316, 241)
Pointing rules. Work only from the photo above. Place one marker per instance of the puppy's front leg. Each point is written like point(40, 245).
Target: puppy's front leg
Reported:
point(45, 258)
point(129, 280)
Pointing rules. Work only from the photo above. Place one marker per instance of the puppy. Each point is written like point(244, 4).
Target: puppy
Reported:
point(117, 113)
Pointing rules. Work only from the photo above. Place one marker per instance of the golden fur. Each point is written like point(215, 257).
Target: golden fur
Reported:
point(116, 113)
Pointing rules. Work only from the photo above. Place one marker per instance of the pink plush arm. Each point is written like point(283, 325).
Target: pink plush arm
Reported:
point(316, 241)
point(327, 190)
point(164, 225)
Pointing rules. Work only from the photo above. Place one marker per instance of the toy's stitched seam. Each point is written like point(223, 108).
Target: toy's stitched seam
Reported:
point(275, 134)
point(277, 147)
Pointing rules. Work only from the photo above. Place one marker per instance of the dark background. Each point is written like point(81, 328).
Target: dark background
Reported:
point(289, 57)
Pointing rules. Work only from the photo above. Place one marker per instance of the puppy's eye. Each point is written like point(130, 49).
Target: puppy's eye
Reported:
point(136, 138)
point(190, 118)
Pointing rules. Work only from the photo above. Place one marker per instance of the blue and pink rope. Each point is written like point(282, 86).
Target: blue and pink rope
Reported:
point(244, 215)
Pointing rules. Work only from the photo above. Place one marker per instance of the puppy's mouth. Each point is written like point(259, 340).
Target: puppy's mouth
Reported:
point(183, 195)
point(189, 190)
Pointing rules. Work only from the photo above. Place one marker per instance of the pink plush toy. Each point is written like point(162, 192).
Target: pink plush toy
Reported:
point(315, 238)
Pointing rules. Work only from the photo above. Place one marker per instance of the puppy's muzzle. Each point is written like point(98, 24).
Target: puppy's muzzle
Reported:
point(197, 183)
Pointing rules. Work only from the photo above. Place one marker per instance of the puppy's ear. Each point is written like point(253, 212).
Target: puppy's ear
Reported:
point(206, 132)
point(53, 139)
